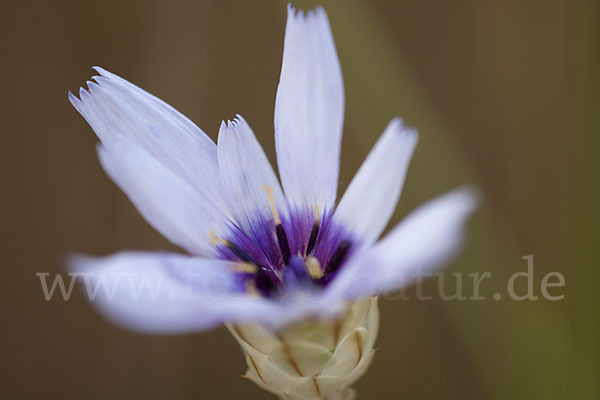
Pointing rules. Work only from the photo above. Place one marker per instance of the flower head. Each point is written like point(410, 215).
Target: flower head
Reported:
point(260, 252)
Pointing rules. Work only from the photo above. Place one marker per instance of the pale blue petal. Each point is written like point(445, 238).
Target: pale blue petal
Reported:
point(160, 292)
point(182, 213)
point(118, 110)
point(309, 111)
point(371, 198)
point(247, 175)
point(170, 293)
point(424, 241)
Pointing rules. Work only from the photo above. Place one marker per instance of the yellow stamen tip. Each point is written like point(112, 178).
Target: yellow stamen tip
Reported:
point(317, 213)
point(271, 197)
point(251, 288)
point(244, 268)
point(215, 240)
point(314, 267)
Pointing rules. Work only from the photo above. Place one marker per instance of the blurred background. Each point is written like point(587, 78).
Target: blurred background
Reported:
point(504, 95)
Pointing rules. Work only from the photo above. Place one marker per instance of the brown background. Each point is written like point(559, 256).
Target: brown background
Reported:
point(504, 94)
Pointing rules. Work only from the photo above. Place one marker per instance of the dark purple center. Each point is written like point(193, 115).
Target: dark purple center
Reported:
point(300, 251)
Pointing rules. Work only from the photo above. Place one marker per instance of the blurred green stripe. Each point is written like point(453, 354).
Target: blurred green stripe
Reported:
point(585, 201)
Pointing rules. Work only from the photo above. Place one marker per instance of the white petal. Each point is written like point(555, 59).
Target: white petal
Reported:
point(246, 174)
point(160, 292)
point(117, 110)
point(425, 240)
point(179, 211)
point(309, 111)
point(371, 198)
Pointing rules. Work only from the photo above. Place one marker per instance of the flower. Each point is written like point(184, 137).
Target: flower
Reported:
point(263, 257)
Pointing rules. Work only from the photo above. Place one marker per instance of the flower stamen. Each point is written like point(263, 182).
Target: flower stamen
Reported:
point(241, 254)
point(314, 233)
point(338, 256)
point(282, 240)
point(269, 190)
point(250, 288)
point(215, 240)
point(244, 268)
point(265, 282)
point(314, 267)
point(284, 246)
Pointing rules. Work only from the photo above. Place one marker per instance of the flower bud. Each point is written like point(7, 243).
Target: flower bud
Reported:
point(312, 359)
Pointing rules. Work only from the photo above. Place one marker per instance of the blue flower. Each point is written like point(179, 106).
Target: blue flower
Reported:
point(259, 251)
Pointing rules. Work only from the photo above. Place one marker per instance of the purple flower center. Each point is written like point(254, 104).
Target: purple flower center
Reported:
point(301, 250)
